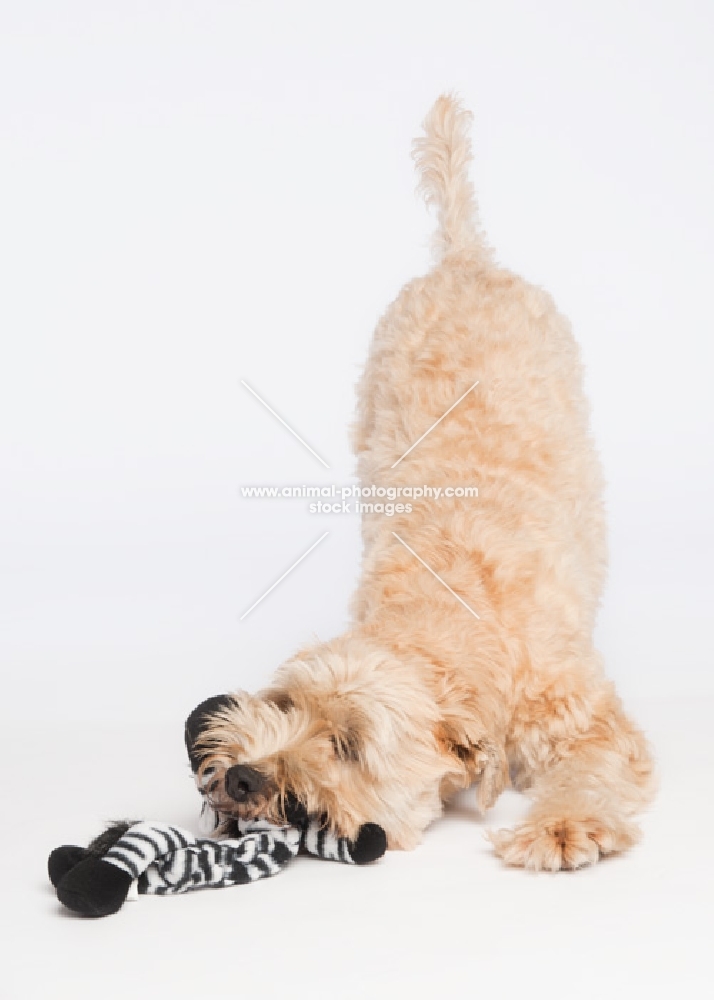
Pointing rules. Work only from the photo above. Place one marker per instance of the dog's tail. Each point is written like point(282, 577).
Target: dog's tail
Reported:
point(442, 156)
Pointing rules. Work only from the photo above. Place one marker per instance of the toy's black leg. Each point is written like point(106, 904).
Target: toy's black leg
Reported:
point(62, 860)
point(371, 843)
point(196, 723)
point(94, 888)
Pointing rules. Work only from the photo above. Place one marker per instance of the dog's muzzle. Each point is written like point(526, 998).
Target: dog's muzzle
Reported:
point(242, 782)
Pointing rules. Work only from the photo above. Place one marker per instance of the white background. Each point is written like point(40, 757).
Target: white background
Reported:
point(195, 193)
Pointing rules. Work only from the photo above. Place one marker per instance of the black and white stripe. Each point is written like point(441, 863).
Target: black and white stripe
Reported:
point(143, 843)
point(323, 843)
point(166, 859)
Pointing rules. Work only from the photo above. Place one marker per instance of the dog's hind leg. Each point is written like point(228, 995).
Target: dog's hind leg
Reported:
point(586, 794)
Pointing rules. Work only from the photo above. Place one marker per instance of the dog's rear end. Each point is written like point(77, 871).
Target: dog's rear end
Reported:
point(471, 650)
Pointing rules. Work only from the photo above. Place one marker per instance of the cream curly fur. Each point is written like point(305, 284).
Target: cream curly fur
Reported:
point(420, 698)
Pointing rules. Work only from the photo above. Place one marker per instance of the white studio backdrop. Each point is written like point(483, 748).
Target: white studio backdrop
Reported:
point(199, 193)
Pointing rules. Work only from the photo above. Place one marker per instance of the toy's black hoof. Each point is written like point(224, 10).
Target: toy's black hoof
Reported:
point(196, 723)
point(370, 845)
point(62, 860)
point(94, 888)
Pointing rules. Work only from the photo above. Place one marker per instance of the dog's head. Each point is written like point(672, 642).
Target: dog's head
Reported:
point(345, 729)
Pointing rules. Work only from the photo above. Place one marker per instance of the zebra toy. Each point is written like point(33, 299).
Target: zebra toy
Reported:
point(130, 859)
point(162, 859)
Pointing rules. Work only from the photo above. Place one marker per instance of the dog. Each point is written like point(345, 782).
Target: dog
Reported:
point(470, 657)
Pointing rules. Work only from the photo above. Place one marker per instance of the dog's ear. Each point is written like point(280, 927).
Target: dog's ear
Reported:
point(347, 744)
point(281, 700)
point(351, 729)
point(197, 722)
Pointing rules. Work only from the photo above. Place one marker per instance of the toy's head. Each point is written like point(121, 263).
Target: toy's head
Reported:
point(345, 729)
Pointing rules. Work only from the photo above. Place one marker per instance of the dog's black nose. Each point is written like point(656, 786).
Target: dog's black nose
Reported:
point(242, 781)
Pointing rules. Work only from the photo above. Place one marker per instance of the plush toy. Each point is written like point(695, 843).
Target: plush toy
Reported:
point(162, 859)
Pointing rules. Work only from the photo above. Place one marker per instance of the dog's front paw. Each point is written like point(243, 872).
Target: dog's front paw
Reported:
point(561, 844)
point(491, 758)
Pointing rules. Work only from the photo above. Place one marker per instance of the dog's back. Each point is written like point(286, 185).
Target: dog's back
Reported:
point(528, 554)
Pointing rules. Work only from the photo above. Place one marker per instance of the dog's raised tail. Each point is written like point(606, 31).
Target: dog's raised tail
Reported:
point(442, 156)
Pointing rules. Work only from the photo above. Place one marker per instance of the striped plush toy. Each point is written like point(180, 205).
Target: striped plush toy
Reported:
point(162, 859)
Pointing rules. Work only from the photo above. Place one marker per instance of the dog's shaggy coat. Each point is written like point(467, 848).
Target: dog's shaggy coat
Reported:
point(420, 697)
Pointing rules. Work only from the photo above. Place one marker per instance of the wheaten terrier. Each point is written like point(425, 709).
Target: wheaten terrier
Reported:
point(420, 697)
